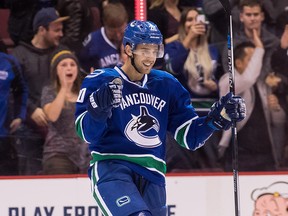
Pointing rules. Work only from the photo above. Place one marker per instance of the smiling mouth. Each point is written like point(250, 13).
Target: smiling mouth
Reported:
point(147, 64)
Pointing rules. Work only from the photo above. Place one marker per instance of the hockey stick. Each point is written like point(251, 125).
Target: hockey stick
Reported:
point(227, 8)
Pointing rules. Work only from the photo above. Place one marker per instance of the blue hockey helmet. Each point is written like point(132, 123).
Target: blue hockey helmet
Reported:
point(143, 32)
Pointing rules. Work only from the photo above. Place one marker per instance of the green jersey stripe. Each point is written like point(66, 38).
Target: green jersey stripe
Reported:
point(149, 161)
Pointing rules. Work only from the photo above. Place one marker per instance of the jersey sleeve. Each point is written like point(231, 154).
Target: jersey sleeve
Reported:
point(84, 54)
point(189, 130)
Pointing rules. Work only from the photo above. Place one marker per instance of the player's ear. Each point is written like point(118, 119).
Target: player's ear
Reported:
point(128, 50)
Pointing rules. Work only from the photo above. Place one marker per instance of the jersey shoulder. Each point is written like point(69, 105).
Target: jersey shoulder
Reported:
point(161, 74)
point(100, 76)
point(168, 82)
point(92, 39)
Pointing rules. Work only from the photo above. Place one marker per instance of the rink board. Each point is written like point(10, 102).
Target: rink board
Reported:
point(202, 194)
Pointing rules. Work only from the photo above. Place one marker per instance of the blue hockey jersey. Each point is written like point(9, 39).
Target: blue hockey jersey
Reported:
point(99, 52)
point(11, 81)
point(135, 133)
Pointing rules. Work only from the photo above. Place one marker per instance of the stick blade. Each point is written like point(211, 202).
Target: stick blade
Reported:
point(226, 5)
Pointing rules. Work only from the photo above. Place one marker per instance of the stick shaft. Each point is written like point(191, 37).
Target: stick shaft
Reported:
point(233, 128)
point(227, 8)
point(231, 56)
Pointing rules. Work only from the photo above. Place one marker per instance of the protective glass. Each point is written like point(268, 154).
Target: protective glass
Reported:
point(150, 52)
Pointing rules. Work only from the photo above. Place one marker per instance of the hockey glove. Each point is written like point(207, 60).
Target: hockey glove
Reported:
point(107, 96)
point(228, 109)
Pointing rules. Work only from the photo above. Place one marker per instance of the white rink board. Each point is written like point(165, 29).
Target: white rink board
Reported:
point(188, 195)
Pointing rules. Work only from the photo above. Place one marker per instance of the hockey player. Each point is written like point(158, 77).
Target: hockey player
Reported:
point(124, 113)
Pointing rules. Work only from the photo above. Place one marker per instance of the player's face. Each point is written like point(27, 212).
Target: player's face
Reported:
point(145, 57)
point(67, 70)
point(252, 17)
point(54, 34)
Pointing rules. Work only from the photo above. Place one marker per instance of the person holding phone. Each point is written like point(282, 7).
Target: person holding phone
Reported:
point(191, 59)
point(196, 64)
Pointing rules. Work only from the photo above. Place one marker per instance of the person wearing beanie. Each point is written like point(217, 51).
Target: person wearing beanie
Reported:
point(34, 58)
point(63, 151)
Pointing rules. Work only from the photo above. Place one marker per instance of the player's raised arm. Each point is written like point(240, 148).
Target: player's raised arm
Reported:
point(94, 106)
point(193, 133)
point(104, 98)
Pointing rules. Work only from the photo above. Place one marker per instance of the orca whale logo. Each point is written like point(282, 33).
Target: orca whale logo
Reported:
point(143, 129)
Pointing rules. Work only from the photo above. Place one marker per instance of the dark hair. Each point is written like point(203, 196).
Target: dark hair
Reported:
point(239, 50)
point(250, 3)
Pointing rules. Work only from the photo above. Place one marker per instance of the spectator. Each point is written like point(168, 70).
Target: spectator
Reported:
point(79, 25)
point(102, 48)
point(166, 14)
point(11, 80)
point(252, 17)
point(192, 60)
point(277, 101)
point(272, 11)
point(34, 58)
point(256, 144)
point(64, 152)
point(278, 83)
point(194, 63)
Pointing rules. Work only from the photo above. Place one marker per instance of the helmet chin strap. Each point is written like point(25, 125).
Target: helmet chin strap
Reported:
point(132, 60)
point(133, 64)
